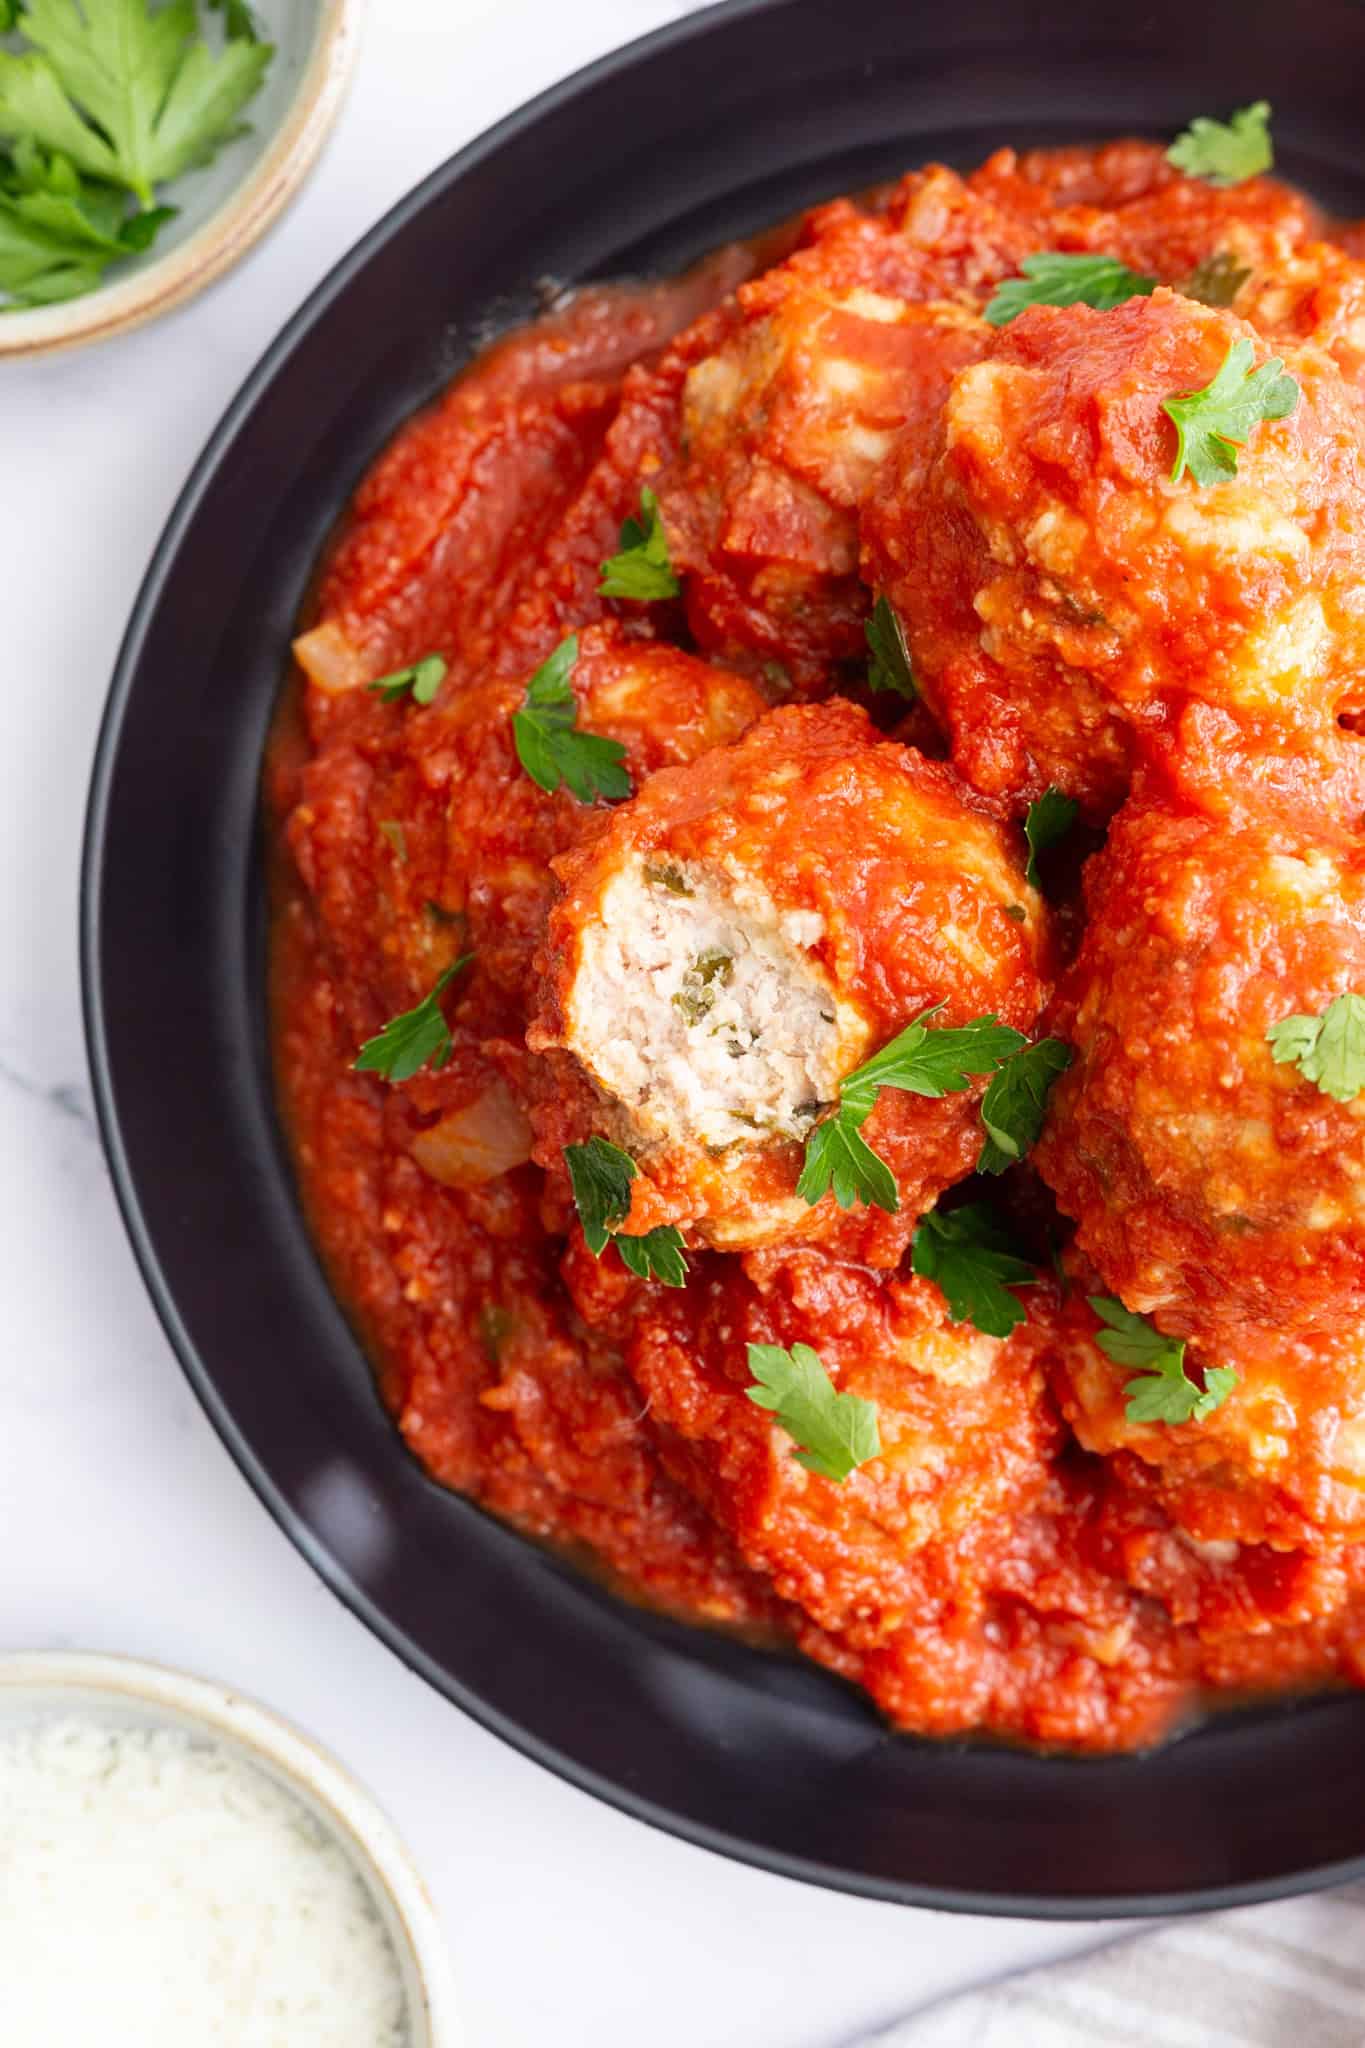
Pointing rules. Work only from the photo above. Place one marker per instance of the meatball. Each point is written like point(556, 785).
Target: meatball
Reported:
point(1313, 294)
point(1014, 1625)
point(430, 816)
point(785, 426)
point(1213, 1188)
point(1281, 1459)
point(965, 1424)
point(502, 829)
point(742, 935)
point(1126, 200)
point(1064, 599)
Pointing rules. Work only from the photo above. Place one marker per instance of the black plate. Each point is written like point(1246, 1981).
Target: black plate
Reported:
point(708, 130)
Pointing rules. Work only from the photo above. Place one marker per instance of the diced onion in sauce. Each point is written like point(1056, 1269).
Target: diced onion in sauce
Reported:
point(329, 660)
point(487, 1137)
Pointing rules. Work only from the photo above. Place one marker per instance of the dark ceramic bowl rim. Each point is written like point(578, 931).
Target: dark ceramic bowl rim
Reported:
point(807, 1870)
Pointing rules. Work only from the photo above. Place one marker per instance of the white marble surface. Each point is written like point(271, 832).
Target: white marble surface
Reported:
point(123, 1524)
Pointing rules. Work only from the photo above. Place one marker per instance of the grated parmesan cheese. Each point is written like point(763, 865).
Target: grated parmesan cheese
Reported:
point(158, 1891)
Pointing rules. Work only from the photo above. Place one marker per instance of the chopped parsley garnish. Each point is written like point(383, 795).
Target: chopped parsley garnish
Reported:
point(974, 1264)
point(549, 745)
point(1053, 279)
point(834, 1433)
point(658, 1255)
point(417, 1036)
point(642, 569)
point(424, 678)
point(1216, 281)
point(601, 1174)
point(1328, 1050)
point(129, 96)
point(838, 1156)
point(1048, 820)
point(1013, 1106)
point(392, 830)
point(924, 1060)
point(1225, 152)
point(888, 666)
point(1163, 1391)
point(1212, 424)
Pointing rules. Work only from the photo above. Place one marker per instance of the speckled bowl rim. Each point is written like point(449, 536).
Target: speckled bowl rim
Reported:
point(232, 229)
point(361, 1825)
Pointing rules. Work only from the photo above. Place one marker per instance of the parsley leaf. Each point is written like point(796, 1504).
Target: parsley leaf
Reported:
point(424, 678)
point(129, 95)
point(1053, 279)
point(549, 746)
point(838, 1156)
point(658, 1255)
point(923, 1060)
point(1225, 152)
point(1013, 1105)
point(1163, 1390)
point(409, 1040)
point(1213, 423)
point(974, 1264)
point(888, 665)
point(58, 232)
point(642, 569)
point(1328, 1050)
point(238, 20)
point(1217, 280)
point(600, 1174)
point(1048, 820)
point(835, 1433)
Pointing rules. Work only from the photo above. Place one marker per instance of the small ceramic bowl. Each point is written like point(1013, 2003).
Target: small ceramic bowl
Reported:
point(119, 1691)
point(228, 206)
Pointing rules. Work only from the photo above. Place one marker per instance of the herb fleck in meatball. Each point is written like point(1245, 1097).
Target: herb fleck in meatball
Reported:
point(1065, 600)
point(747, 931)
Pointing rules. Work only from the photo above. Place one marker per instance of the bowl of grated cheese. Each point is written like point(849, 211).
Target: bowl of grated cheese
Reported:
point(179, 1865)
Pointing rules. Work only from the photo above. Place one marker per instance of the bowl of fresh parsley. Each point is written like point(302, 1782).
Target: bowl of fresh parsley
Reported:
point(146, 144)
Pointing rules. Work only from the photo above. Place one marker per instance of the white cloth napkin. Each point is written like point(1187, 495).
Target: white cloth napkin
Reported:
point(1288, 1975)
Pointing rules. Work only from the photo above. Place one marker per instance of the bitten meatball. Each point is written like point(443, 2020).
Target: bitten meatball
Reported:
point(1065, 599)
point(1212, 1187)
point(742, 935)
point(965, 1424)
